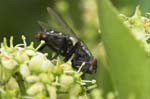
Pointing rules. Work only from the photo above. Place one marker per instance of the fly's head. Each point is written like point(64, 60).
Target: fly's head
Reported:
point(93, 66)
point(42, 35)
point(39, 36)
point(90, 67)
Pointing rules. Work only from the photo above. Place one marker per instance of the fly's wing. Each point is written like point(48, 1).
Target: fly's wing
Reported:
point(44, 26)
point(61, 22)
point(64, 25)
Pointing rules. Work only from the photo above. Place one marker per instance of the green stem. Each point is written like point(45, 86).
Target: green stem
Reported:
point(20, 82)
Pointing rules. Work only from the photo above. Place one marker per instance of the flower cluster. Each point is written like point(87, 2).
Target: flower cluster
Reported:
point(140, 27)
point(29, 74)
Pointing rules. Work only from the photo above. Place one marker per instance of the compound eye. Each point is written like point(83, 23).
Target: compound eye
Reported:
point(94, 64)
point(38, 36)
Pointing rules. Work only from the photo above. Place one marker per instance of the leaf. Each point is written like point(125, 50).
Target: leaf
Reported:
point(103, 76)
point(129, 64)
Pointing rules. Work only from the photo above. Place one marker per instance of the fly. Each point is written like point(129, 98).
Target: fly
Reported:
point(67, 45)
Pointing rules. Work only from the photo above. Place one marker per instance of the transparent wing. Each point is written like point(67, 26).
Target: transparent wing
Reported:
point(64, 25)
point(44, 26)
point(61, 21)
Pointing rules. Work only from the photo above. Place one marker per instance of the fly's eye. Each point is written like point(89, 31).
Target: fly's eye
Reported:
point(38, 35)
point(94, 62)
point(94, 65)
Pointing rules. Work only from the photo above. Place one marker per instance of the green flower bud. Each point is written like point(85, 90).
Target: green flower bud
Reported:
point(75, 91)
point(35, 63)
point(5, 75)
point(66, 82)
point(35, 89)
point(8, 62)
point(44, 78)
point(66, 67)
point(13, 82)
point(96, 94)
point(110, 95)
point(8, 94)
point(46, 66)
point(24, 70)
point(57, 70)
point(21, 56)
point(41, 95)
point(77, 76)
point(32, 78)
point(30, 52)
point(52, 92)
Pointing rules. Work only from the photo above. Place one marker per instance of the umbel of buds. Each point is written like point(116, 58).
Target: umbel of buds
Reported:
point(140, 28)
point(26, 73)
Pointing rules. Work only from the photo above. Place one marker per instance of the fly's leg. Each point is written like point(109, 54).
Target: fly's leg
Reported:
point(71, 51)
point(42, 47)
point(84, 66)
point(56, 55)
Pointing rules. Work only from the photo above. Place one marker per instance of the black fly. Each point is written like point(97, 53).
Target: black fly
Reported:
point(67, 45)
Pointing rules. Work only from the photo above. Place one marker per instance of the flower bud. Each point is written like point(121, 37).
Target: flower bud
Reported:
point(21, 56)
point(46, 66)
point(66, 82)
point(5, 75)
point(52, 92)
point(75, 91)
point(110, 95)
point(44, 78)
point(8, 94)
point(96, 94)
point(66, 67)
point(35, 89)
point(24, 70)
point(57, 70)
point(8, 62)
point(30, 52)
point(41, 95)
point(32, 78)
point(35, 63)
point(12, 81)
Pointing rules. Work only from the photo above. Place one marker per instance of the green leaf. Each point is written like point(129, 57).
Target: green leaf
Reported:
point(104, 79)
point(129, 64)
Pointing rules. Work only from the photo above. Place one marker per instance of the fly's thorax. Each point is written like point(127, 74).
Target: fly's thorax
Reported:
point(51, 35)
point(85, 49)
point(73, 39)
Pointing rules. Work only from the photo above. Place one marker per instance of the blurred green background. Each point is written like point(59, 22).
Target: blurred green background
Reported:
point(19, 17)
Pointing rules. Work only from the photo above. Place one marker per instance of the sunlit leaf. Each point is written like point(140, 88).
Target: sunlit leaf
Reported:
point(128, 62)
